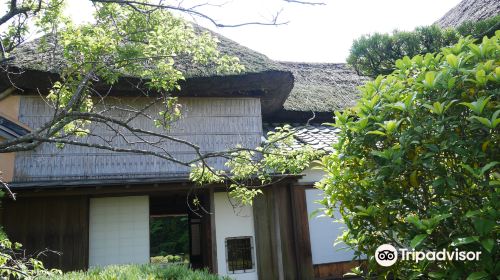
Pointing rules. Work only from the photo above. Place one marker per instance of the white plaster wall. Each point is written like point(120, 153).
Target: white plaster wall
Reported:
point(312, 175)
point(324, 232)
point(232, 222)
point(118, 230)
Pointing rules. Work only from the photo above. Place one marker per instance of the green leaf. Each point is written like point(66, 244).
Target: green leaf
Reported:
point(417, 240)
point(488, 244)
point(477, 275)
point(376, 132)
point(416, 221)
point(478, 105)
point(400, 64)
point(494, 119)
point(488, 167)
point(470, 169)
point(482, 120)
point(483, 226)
point(481, 78)
point(464, 240)
point(436, 275)
point(452, 60)
point(430, 79)
point(470, 213)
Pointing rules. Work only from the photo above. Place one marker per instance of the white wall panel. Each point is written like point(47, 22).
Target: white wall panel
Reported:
point(324, 232)
point(232, 222)
point(118, 230)
point(312, 175)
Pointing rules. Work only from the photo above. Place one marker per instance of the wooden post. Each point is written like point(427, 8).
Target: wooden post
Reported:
point(213, 239)
point(301, 232)
point(277, 232)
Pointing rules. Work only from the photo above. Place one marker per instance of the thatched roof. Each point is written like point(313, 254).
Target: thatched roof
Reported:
point(469, 10)
point(262, 76)
point(321, 88)
point(317, 87)
point(30, 56)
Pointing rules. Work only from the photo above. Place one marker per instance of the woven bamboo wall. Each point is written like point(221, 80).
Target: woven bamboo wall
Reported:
point(212, 123)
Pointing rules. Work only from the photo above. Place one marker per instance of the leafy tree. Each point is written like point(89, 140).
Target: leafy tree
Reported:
point(417, 163)
point(376, 54)
point(139, 38)
point(143, 39)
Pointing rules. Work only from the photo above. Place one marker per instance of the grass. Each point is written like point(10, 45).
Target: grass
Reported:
point(146, 272)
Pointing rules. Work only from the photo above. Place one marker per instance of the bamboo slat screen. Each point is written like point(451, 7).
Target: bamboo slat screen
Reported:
point(214, 124)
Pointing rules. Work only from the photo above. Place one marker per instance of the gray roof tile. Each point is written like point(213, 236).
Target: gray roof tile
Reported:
point(320, 137)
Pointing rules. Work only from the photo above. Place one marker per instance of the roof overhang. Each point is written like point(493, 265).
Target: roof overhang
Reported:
point(272, 87)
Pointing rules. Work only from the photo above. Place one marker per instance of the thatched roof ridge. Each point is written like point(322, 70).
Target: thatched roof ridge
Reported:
point(30, 56)
point(318, 87)
point(469, 10)
point(262, 76)
point(254, 62)
point(322, 87)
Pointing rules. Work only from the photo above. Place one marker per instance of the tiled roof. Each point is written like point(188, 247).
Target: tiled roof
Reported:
point(318, 136)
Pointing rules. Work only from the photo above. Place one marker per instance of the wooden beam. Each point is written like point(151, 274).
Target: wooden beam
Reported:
point(6, 93)
point(104, 190)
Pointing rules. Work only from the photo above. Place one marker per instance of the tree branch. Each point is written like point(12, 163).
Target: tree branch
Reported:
point(191, 11)
point(306, 2)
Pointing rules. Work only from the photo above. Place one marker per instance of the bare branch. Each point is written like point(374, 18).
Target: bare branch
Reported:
point(191, 11)
point(306, 2)
point(7, 188)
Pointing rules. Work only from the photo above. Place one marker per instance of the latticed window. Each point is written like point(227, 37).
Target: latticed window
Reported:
point(239, 252)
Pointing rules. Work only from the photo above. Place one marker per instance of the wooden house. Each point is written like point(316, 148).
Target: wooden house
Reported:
point(96, 207)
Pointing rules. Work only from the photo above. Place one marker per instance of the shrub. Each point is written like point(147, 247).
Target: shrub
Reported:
point(417, 163)
point(376, 54)
point(170, 259)
point(15, 264)
point(147, 271)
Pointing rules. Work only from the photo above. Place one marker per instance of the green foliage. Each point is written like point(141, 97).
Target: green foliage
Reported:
point(15, 265)
point(169, 259)
point(417, 162)
point(376, 54)
point(177, 239)
point(122, 41)
point(279, 155)
point(149, 272)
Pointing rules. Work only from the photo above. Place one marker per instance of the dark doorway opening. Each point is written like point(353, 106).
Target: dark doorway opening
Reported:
point(177, 234)
point(169, 238)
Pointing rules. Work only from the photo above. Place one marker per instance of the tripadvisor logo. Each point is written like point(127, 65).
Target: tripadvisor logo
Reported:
point(387, 255)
